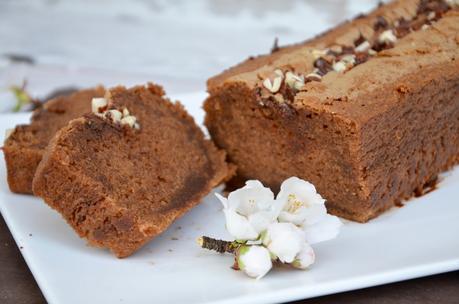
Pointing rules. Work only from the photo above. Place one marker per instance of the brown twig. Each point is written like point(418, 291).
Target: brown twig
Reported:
point(220, 246)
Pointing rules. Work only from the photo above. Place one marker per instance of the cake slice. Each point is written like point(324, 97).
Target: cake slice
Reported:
point(24, 147)
point(121, 175)
point(368, 111)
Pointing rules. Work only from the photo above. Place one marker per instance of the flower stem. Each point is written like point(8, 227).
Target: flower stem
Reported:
point(220, 246)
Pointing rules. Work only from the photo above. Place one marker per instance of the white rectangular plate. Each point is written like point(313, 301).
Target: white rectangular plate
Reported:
point(417, 240)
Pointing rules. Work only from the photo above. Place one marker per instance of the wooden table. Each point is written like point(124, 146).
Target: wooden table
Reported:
point(18, 286)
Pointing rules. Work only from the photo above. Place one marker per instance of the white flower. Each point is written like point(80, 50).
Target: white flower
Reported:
point(304, 258)
point(284, 241)
point(326, 229)
point(301, 203)
point(303, 206)
point(249, 210)
point(254, 260)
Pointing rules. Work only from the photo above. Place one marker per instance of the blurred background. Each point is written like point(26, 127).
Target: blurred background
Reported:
point(54, 44)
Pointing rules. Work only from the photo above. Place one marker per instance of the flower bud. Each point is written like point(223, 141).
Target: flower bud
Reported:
point(254, 260)
point(305, 258)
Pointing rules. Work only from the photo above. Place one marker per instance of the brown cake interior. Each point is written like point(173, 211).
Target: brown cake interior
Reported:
point(24, 148)
point(119, 186)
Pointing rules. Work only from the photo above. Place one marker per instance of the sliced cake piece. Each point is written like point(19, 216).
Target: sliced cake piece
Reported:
point(368, 112)
point(122, 175)
point(25, 144)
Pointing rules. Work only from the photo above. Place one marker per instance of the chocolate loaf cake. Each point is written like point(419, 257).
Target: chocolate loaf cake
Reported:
point(368, 111)
point(123, 174)
point(24, 147)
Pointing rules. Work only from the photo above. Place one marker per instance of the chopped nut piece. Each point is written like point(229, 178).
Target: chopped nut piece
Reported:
point(453, 3)
point(274, 86)
point(336, 48)
point(114, 115)
point(313, 77)
point(123, 117)
point(98, 105)
point(279, 98)
point(425, 27)
point(129, 120)
point(279, 73)
point(348, 59)
point(339, 66)
point(387, 37)
point(372, 52)
point(294, 81)
point(363, 46)
point(431, 16)
point(319, 53)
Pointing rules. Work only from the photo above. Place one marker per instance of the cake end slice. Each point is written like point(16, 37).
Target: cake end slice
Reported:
point(25, 146)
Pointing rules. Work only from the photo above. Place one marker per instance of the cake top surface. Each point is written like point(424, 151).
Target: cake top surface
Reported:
point(52, 116)
point(350, 69)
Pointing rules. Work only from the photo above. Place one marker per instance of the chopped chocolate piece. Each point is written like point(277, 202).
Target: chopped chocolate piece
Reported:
point(359, 40)
point(403, 28)
point(380, 24)
point(347, 50)
point(361, 57)
point(323, 66)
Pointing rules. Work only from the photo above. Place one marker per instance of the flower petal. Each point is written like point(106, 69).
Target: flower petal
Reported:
point(261, 220)
point(284, 240)
point(304, 215)
point(238, 226)
point(301, 203)
point(324, 230)
point(305, 191)
point(222, 199)
point(248, 200)
point(253, 183)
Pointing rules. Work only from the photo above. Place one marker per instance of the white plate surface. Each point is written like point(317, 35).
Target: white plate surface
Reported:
point(417, 240)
